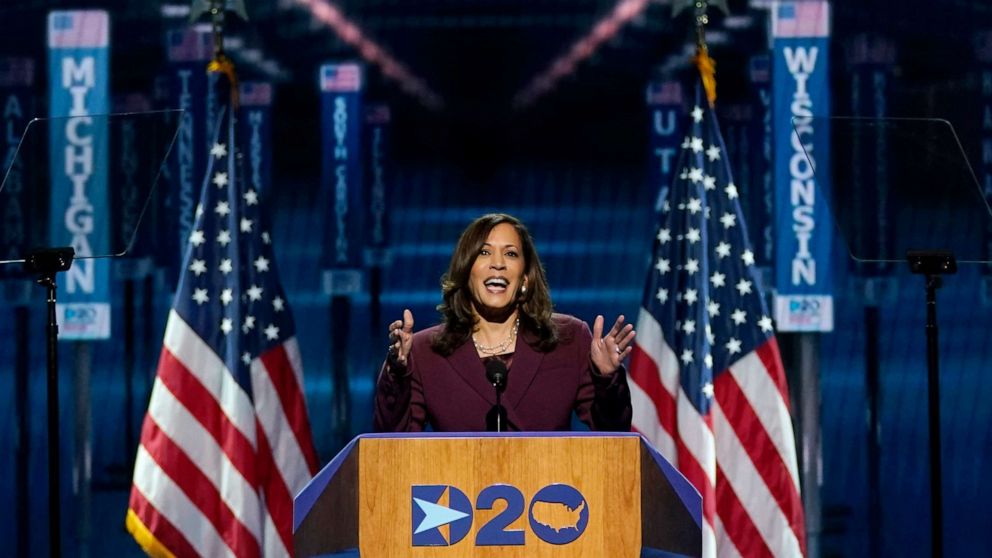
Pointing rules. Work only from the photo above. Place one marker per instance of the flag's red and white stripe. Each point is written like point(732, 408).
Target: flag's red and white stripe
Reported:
point(741, 456)
point(216, 470)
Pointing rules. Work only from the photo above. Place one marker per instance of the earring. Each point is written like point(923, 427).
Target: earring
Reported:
point(523, 289)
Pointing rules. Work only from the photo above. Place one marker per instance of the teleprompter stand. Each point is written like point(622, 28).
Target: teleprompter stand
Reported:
point(45, 264)
point(901, 191)
point(105, 222)
point(933, 265)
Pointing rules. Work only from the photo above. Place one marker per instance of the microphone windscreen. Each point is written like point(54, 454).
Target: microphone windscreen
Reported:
point(496, 371)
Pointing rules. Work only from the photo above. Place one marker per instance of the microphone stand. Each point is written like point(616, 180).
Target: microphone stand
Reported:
point(499, 410)
point(496, 373)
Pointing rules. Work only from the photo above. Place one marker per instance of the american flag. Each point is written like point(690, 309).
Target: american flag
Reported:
point(226, 442)
point(708, 387)
point(341, 78)
point(78, 29)
point(16, 72)
point(377, 114)
point(801, 18)
point(189, 45)
point(668, 92)
point(255, 94)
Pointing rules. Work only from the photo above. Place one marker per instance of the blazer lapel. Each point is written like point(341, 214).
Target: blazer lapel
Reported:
point(467, 364)
point(523, 370)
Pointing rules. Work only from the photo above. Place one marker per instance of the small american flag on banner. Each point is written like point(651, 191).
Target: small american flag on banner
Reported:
point(760, 68)
point(256, 94)
point(377, 114)
point(189, 45)
point(707, 383)
point(78, 29)
point(668, 92)
point(801, 18)
point(16, 72)
point(342, 78)
point(226, 442)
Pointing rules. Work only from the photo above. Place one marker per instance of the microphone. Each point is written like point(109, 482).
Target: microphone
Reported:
point(496, 373)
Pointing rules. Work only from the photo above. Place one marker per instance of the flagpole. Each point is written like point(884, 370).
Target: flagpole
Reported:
point(54, 490)
point(130, 364)
point(22, 371)
point(811, 462)
point(873, 369)
point(340, 407)
point(705, 64)
point(82, 456)
point(147, 342)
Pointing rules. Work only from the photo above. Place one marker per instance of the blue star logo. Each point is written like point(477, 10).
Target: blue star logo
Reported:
point(429, 514)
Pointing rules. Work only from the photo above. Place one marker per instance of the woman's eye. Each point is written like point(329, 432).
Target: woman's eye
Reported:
point(483, 252)
point(511, 254)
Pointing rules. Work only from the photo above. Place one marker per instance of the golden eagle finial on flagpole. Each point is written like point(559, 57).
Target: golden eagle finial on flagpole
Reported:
point(705, 64)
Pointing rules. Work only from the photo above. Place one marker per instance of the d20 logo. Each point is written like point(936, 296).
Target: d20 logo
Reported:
point(558, 514)
point(430, 514)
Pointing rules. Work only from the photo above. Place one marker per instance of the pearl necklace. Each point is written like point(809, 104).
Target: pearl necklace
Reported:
point(501, 348)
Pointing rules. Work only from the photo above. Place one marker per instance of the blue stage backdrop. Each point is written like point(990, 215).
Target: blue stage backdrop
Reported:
point(983, 53)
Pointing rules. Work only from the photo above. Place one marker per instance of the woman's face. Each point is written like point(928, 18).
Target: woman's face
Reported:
point(498, 271)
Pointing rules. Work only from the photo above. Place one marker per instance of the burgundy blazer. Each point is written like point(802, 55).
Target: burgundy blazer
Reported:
point(542, 389)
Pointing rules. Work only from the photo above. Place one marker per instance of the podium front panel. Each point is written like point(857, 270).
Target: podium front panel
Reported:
point(490, 496)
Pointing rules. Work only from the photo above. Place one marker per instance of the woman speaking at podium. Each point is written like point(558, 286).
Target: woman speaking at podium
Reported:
point(497, 307)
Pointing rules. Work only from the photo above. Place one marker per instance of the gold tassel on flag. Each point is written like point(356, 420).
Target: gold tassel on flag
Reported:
point(707, 70)
point(221, 63)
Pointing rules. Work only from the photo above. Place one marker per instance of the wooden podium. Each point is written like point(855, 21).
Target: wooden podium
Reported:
point(532, 495)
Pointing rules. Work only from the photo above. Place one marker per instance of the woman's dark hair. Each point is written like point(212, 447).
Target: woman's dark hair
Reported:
point(456, 309)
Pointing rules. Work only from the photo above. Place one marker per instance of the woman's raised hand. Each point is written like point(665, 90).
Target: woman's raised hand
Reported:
point(609, 350)
point(401, 338)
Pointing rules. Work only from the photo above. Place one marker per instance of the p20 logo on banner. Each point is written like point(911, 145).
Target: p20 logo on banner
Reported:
point(557, 514)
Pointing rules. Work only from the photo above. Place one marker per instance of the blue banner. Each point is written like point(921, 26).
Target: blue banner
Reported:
point(188, 51)
point(801, 72)
point(870, 60)
point(16, 109)
point(255, 131)
point(21, 224)
point(761, 221)
point(79, 78)
point(341, 158)
point(161, 215)
point(132, 174)
point(665, 106)
point(983, 53)
point(735, 127)
point(378, 176)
